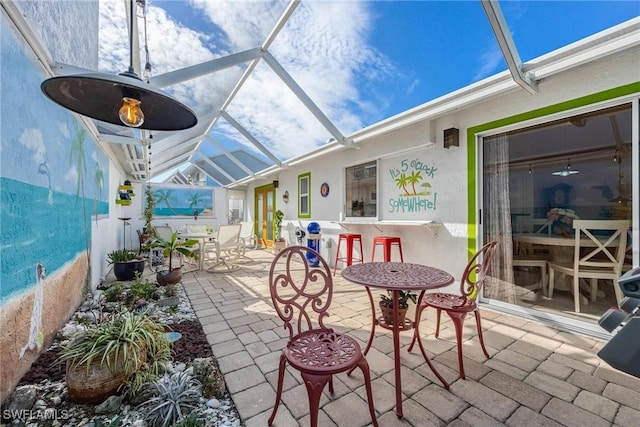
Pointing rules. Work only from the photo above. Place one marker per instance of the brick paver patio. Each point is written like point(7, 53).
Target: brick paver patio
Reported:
point(537, 375)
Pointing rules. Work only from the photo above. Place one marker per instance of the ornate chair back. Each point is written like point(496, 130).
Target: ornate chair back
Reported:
point(475, 273)
point(301, 294)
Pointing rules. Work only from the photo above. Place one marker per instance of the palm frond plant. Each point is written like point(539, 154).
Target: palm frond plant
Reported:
point(173, 245)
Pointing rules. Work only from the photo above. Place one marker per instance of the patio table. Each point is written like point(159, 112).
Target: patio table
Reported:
point(203, 238)
point(396, 276)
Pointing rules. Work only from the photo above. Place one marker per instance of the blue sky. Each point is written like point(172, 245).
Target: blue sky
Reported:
point(360, 62)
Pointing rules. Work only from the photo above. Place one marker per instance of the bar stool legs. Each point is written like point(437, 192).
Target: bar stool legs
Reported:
point(387, 242)
point(349, 238)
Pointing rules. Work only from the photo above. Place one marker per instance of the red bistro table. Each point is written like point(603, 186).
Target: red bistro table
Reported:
point(396, 276)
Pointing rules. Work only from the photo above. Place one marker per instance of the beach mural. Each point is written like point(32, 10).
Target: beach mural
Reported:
point(408, 188)
point(172, 201)
point(53, 180)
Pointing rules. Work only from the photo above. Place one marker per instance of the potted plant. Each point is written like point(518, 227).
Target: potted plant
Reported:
point(125, 264)
point(386, 306)
point(172, 275)
point(279, 243)
point(100, 359)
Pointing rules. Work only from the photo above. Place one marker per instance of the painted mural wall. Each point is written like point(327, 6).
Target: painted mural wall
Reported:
point(172, 201)
point(54, 190)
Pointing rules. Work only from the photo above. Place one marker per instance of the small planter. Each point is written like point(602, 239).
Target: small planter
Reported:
point(278, 246)
point(125, 271)
point(172, 277)
point(387, 314)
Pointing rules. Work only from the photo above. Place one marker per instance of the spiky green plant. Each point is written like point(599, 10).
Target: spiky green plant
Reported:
point(118, 341)
point(178, 394)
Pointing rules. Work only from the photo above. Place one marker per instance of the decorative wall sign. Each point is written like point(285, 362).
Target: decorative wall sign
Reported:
point(324, 189)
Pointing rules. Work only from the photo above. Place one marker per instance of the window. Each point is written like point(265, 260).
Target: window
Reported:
point(304, 195)
point(361, 190)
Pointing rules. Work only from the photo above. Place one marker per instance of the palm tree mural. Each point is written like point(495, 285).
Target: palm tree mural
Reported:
point(413, 179)
point(194, 201)
point(401, 182)
point(98, 181)
point(164, 196)
point(77, 157)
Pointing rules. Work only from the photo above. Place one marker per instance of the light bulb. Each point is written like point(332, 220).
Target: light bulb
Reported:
point(130, 113)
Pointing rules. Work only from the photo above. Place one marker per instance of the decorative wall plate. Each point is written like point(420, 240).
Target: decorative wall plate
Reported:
point(324, 189)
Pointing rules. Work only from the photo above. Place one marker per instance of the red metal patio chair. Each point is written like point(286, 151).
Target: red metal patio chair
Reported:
point(301, 295)
point(458, 305)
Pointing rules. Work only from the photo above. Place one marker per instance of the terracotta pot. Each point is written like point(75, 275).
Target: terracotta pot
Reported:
point(165, 278)
point(278, 245)
point(387, 314)
point(95, 382)
point(125, 271)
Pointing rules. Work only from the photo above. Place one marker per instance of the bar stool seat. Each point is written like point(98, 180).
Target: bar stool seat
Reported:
point(349, 238)
point(386, 242)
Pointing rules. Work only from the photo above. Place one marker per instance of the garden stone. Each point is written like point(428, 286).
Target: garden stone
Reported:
point(22, 399)
point(213, 403)
point(110, 406)
point(212, 380)
point(147, 392)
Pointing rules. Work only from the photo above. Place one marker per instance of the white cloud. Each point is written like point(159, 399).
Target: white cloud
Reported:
point(323, 46)
point(72, 175)
point(489, 62)
point(32, 139)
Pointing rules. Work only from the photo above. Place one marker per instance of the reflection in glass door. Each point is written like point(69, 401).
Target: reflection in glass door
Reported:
point(264, 201)
point(536, 182)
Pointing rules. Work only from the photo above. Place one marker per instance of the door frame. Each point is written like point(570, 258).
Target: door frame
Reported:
point(264, 204)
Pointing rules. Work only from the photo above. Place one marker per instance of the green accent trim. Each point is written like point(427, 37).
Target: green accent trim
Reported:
point(472, 191)
point(300, 178)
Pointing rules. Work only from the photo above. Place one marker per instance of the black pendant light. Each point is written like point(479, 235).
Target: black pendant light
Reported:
point(123, 99)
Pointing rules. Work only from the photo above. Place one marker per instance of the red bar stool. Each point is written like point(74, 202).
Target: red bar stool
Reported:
point(387, 242)
point(350, 238)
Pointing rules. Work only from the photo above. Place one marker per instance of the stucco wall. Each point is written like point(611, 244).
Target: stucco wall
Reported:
point(445, 245)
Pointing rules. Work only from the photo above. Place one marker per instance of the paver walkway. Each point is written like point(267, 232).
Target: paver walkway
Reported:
point(537, 375)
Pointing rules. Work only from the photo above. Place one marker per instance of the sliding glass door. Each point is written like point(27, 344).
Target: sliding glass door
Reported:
point(538, 180)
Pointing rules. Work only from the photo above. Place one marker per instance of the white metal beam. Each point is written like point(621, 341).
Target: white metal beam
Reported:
point(249, 137)
point(204, 68)
point(304, 98)
point(216, 167)
point(228, 154)
point(508, 47)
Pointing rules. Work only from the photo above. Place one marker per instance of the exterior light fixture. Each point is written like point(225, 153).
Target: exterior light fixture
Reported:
point(566, 171)
point(285, 197)
point(120, 99)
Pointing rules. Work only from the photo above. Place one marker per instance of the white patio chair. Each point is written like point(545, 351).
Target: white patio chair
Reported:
point(248, 237)
point(596, 256)
point(227, 247)
point(527, 255)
